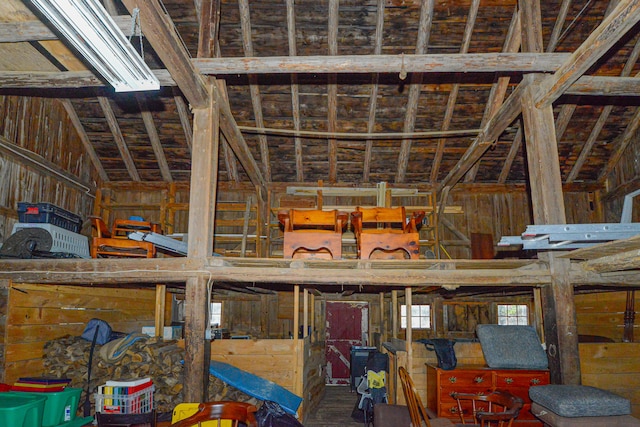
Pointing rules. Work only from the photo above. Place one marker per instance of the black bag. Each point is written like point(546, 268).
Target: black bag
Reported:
point(271, 414)
point(444, 352)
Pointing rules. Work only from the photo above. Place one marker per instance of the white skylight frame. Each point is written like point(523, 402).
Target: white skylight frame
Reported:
point(91, 30)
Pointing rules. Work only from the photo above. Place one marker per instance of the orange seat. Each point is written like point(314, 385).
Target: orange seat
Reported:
point(237, 412)
point(116, 243)
point(313, 233)
point(386, 229)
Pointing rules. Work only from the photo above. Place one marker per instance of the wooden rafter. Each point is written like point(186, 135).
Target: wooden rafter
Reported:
point(295, 91)
point(602, 119)
point(424, 30)
point(159, 30)
point(154, 138)
point(26, 31)
point(499, 89)
point(185, 117)
point(254, 88)
point(112, 121)
point(373, 99)
point(332, 92)
point(506, 114)
point(609, 32)
point(91, 152)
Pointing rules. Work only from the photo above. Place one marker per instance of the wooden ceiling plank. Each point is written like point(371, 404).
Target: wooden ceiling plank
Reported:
point(118, 138)
point(295, 91)
point(43, 166)
point(602, 119)
point(373, 98)
point(422, 44)
point(154, 138)
point(609, 32)
point(332, 92)
point(162, 35)
point(354, 64)
point(254, 88)
point(86, 143)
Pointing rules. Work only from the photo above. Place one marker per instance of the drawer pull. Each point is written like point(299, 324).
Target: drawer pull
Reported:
point(508, 380)
point(478, 380)
point(453, 380)
point(535, 381)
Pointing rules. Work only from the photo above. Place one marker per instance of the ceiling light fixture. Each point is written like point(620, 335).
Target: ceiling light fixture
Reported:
point(91, 30)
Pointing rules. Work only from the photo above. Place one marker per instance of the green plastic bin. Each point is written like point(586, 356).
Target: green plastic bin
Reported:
point(78, 422)
point(21, 411)
point(60, 406)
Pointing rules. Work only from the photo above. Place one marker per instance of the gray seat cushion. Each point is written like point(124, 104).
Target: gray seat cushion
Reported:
point(554, 420)
point(579, 401)
point(512, 347)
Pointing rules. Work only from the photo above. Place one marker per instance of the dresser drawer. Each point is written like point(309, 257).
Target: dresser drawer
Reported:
point(511, 379)
point(459, 380)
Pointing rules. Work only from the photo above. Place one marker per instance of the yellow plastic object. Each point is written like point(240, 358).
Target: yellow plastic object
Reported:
point(185, 410)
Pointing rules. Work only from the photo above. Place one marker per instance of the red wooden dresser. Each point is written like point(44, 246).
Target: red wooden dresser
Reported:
point(478, 379)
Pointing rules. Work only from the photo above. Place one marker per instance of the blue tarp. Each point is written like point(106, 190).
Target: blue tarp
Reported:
point(255, 386)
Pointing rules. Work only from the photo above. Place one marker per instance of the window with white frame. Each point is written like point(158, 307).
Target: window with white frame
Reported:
point(513, 314)
point(420, 316)
point(216, 314)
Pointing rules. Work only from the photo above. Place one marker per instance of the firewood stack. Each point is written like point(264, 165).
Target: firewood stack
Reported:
point(68, 357)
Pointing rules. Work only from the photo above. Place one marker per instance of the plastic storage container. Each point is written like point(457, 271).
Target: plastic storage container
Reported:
point(60, 406)
point(48, 213)
point(63, 240)
point(136, 403)
point(21, 411)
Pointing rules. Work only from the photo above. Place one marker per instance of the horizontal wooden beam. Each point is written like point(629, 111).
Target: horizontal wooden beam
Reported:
point(586, 85)
point(354, 64)
point(29, 31)
point(380, 273)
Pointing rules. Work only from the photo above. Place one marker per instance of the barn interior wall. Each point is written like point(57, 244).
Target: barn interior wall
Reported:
point(40, 126)
point(36, 314)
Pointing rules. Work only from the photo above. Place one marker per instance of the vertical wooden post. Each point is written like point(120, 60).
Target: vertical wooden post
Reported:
point(409, 336)
point(161, 302)
point(383, 328)
point(305, 312)
point(202, 198)
point(394, 314)
point(296, 311)
point(560, 325)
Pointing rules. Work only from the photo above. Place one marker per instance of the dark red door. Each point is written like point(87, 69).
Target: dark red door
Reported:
point(347, 325)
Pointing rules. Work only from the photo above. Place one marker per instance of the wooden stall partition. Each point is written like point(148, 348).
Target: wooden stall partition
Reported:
point(602, 314)
point(4, 294)
point(313, 375)
point(273, 360)
point(38, 313)
point(614, 367)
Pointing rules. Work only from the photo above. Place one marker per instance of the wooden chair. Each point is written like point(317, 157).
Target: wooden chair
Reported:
point(238, 412)
point(386, 229)
point(116, 243)
point(313, 233)
point(126, 420)
point(497, 409)
point(418, 413)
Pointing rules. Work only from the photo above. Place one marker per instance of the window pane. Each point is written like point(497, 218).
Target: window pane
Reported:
point(415, 310)
point(420, 316)
point(522, 310)
point(502, 310)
